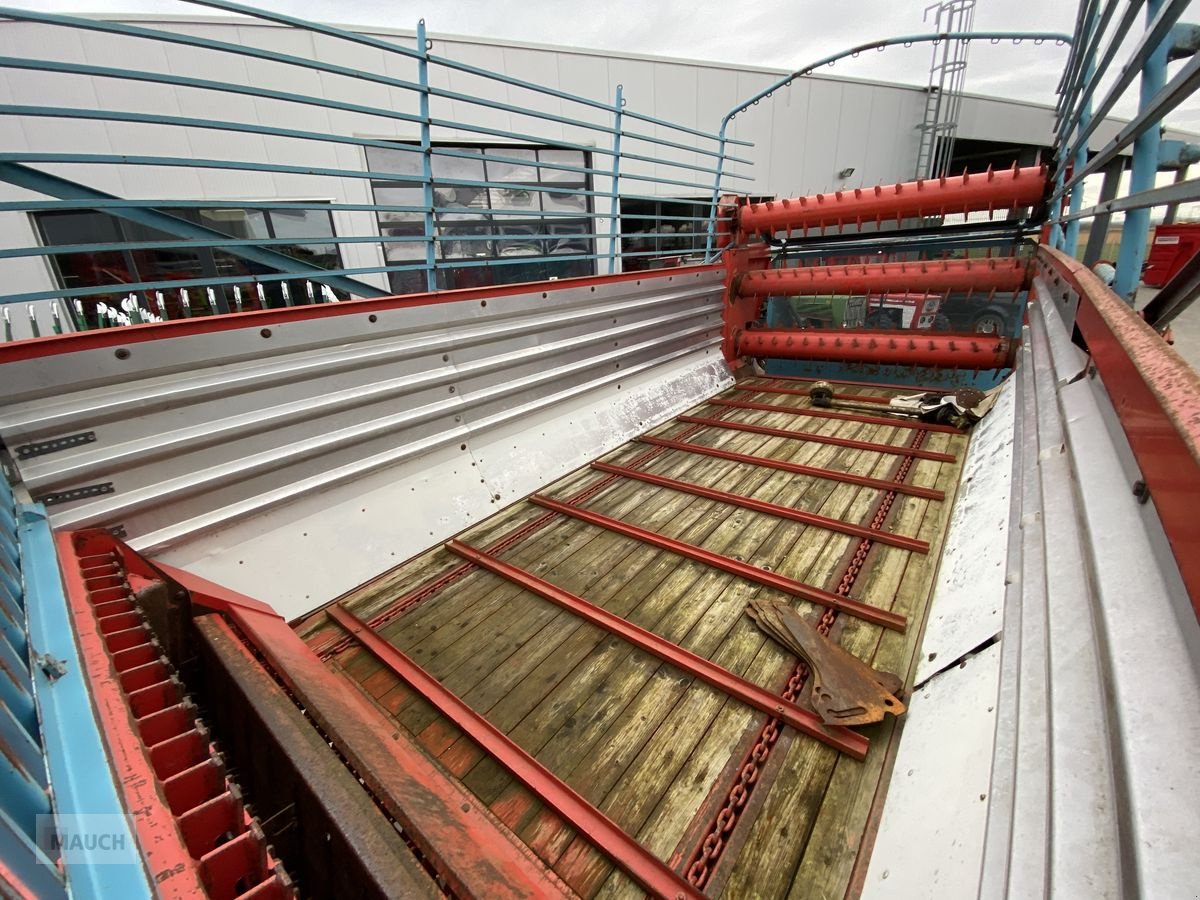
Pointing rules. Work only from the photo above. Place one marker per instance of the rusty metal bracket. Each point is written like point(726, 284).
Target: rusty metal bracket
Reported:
point(845, 690)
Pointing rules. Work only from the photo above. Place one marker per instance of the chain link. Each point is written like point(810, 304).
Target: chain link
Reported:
point(714, 841)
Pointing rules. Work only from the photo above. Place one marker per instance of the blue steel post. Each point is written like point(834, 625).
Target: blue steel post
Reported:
point(614, 201)
point(426, 154)
point(1145, 166)
point(716, 192)
point(1090, 34)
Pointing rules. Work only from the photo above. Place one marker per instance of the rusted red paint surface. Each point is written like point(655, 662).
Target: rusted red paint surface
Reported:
point(477, 855)
point(998, 274)
point(1156, 395)
point(174, 872)
point(887, 348)
point(994, 191)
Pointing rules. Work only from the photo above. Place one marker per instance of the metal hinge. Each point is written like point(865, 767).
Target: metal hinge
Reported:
point(41, 448)
point(80, 493)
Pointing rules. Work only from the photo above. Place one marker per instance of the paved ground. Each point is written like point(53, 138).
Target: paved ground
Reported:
point(1186, 328)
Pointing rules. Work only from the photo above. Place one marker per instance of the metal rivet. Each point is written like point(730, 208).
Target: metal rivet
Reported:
point(122, 354)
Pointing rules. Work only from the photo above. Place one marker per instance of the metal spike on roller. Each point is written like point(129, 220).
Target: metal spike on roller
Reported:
point(962, 408)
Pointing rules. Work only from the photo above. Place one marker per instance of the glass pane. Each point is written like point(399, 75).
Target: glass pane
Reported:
point(387, 194)
point(564, 244)
point(404, 160)
point(239, 223)
point(457, 167)
point(522, 242)
point(513, 198)
point(478, 247)
point(469, 277)
point(404, 251)
point(407, 282)
point(466, 198)
point(563, 158)
point(553, 201)
point(302, 223)
point(78, 228)
point(517, 171)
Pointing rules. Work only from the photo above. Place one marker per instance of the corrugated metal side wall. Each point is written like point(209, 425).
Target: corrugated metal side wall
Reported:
point(296, 459)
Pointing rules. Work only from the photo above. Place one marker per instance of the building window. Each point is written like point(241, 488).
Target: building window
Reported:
point(133, 266)
point(672, 229)
point(547, 223)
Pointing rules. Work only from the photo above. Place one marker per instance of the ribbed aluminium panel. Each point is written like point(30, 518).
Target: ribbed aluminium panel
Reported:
point(295, 461)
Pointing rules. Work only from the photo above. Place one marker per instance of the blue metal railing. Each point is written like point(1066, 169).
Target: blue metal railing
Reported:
point(53, 761)
point(442, 214)
point(1017, 37)
point(1098, 45)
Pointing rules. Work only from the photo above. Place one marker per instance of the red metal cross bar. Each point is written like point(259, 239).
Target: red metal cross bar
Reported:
point(719, 561)
point(818, 438)
point(842, 739)
point(784, 466)
point(773, 509)
point(894, 421)
point(635, 860)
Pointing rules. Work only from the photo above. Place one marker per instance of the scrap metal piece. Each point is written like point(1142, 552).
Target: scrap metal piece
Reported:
point(845, 690)
point(961, 408)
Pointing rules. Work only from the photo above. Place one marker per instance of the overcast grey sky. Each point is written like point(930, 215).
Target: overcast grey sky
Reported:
point(776, 33)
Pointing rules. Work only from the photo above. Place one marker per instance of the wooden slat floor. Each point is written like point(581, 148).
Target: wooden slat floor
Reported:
point(640, 739)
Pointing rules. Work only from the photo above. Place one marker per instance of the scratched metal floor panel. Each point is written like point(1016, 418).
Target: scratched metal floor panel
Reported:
point(642, 740)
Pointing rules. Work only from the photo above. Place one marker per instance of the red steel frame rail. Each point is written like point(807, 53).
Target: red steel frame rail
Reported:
point(635, 860)
point(719, 561)
point(1156, 395)
point(466, 845)
point(894, 421)
point(771, 509)
point(842, 739)
point(796, 468)
point(818, 438)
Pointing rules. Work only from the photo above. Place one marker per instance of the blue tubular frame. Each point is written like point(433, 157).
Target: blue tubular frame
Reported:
point(610, 145)
point(615, 202)
point(48, 719)
point(1036, 37)
point(1136, 226)
point(1078, 120)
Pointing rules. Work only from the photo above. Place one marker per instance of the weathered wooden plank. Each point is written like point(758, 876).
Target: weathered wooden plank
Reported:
point(768, 862)
point(645, 789)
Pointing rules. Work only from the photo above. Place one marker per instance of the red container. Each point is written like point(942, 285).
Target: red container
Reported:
point(1173, 246)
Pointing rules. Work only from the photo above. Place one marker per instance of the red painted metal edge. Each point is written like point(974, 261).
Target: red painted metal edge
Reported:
point(53, 345)
point(894, 421)
point(784, 466)
point(772, 509)
point(857, 608)
point(842, 739)
point(885, 348)
point(175, 873)
point(1156, 395)
point(478, 856)
point(818, 438)
point(634, 859)
point(796, 392)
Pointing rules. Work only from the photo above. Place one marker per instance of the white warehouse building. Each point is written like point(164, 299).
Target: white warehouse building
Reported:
point(821, 133)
